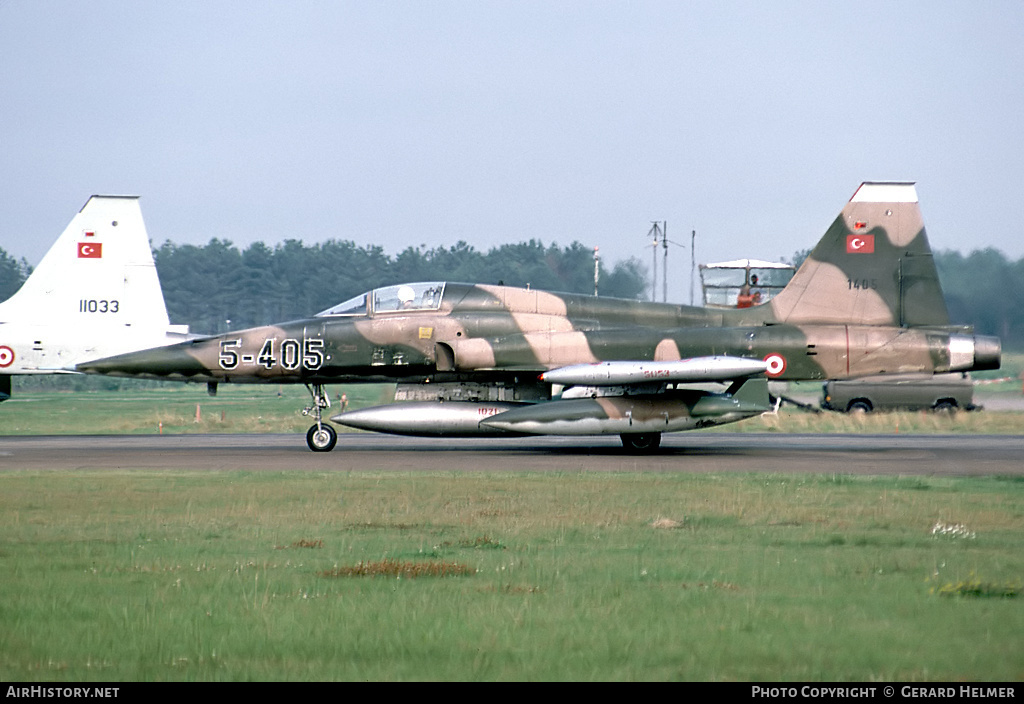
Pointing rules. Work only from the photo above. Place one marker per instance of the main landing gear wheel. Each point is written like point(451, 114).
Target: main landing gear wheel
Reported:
point(321, 438)
point(641, 442)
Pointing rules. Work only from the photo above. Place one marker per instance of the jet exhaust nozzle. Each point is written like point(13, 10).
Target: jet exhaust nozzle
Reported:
point(988, 352)
point(974, 353)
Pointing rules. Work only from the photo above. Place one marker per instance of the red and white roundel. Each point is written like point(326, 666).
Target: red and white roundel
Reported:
point(776, 364)
point(6, 356)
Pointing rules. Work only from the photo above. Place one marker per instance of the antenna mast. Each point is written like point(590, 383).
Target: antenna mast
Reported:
point(693, 261)
point(664, 246)
point(658, 229)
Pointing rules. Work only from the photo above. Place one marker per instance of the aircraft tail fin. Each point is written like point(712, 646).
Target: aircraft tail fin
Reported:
point(100, 270)
point(874, 266)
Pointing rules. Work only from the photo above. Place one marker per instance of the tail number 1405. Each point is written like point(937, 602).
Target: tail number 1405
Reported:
point(289, 354)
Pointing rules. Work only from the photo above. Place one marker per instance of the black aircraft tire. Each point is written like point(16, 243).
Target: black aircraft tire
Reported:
point(641, 442)
point(321, 438)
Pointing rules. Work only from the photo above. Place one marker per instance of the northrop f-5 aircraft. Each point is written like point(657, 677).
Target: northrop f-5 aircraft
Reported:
point(475, 359)
point(94, 294)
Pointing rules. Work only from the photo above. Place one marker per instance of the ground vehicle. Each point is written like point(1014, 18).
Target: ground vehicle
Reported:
point(941, 392)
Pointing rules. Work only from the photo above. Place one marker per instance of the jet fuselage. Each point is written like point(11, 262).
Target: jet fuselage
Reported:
point(481, 359)
point(488, 332)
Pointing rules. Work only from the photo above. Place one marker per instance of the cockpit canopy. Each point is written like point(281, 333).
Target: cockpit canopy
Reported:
point(391, 299)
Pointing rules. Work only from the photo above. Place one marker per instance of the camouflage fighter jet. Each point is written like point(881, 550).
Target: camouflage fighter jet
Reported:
point(494, 360)
point(94, 294)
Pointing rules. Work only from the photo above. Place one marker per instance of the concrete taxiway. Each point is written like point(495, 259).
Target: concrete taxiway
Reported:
point(936, 455)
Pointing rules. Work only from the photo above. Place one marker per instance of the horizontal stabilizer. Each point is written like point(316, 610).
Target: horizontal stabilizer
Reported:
point(697, 369)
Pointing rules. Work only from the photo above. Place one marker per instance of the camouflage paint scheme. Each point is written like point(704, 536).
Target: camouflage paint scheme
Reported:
point(866, 301)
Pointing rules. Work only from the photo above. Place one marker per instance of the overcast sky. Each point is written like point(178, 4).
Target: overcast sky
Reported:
point(428, 122)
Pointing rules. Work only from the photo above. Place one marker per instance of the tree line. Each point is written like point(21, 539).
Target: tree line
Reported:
point(218, 286)
point(12, 274)
point(984, 289)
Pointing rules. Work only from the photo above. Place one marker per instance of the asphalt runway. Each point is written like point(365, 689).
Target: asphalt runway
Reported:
point(930, 455)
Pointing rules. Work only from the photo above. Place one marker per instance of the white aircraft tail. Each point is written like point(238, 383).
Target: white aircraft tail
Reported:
point(102, 261)
point(95, 293)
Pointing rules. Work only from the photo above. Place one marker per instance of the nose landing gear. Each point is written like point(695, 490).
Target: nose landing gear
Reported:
point(320, 437)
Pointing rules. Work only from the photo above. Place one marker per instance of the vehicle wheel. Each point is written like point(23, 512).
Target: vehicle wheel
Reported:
point(321, 438)
point(641, 442)
point(858, 407)
point(947, 407)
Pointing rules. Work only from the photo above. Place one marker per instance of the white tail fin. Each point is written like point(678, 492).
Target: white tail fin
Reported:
point(95, 293)
point(103, 256)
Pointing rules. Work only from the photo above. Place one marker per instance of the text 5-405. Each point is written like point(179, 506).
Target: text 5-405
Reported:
point(288, 354)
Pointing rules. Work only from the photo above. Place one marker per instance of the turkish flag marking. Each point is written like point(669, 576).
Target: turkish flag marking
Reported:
point(860, 244)
point(90, 250)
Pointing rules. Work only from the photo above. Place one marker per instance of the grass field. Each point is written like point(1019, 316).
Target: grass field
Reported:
point(76, 404)
point(171, 409)
point(144, 576)
point(186, 408)
point(132, 575)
